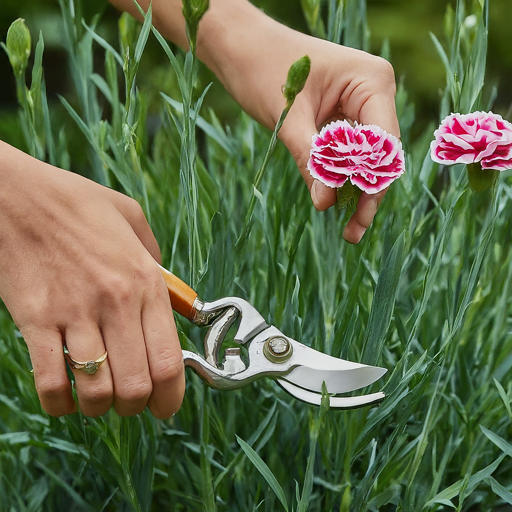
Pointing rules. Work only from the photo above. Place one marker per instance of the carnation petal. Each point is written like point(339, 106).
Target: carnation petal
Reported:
point(373, 186)
point(333, 180)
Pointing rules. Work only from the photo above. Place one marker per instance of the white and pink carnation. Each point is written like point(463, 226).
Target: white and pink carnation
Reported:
point(366, 155)
point(479, 137)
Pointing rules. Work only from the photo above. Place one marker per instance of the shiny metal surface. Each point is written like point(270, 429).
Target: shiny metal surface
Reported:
point(335, 402)
point(216, 334)
point(199, 316)
point(309, 368)
point(251, 322)
point(299, 369)
point(306, 368)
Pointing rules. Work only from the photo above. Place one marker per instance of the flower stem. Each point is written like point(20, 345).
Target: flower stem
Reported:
point(481, 179)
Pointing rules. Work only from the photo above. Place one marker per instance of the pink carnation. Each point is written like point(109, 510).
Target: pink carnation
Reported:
point(368, 155)
point(477, 137)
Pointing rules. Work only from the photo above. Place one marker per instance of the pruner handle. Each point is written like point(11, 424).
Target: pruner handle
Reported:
point(183, 298)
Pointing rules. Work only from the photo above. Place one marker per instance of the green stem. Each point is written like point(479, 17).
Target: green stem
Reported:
point(481, 179)
point(259, 178)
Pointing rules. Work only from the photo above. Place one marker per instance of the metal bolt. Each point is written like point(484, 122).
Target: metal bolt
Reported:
point(277, 349)
point(278, 345)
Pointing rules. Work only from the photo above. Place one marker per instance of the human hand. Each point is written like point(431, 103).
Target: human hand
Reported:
point(251, 54)
point(77, 266)
point(365, 94)
point(252, 57)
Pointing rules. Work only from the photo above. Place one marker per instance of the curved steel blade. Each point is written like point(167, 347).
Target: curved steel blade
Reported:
point(335, 402)
point(309, 368)
point(337, 381)
point(312, 368)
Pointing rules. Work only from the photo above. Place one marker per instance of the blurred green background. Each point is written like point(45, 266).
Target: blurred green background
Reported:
point(405, 24)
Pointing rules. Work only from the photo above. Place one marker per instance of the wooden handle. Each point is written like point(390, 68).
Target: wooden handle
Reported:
point(182, 296)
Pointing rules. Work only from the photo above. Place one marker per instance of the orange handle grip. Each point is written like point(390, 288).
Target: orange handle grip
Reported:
point(182, 296)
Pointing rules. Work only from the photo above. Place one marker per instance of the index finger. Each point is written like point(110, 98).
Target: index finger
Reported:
point(380, 110)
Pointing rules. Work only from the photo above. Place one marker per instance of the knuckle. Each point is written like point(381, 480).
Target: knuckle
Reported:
point(384, 72)
point(123, 289)
point(116, 289)
point(99, 393)
point(135, 207)
point(135, 393)
point(149, 276)
point(169, 369)
point(135, 211)
point(35, 313)
point(50, 388)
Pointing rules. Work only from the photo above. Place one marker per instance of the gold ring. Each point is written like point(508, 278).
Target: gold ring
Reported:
point(89, 367)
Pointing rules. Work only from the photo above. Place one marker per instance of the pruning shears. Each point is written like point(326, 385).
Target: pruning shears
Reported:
point(298, 369)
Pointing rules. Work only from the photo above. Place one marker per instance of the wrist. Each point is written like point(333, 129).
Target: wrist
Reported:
point(251, 54)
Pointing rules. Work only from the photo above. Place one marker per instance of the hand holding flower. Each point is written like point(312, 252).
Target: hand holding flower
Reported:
point(251, 54)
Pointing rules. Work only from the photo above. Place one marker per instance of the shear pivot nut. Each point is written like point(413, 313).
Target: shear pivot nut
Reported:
point(277, 349)
point(233, 362)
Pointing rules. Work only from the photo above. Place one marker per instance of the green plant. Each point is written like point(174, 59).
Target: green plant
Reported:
point(426, 294)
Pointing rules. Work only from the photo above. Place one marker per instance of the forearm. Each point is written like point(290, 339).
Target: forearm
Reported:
point(235, 39)
point(251, 54)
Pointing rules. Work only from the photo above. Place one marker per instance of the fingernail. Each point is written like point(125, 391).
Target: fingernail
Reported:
point(313, 192)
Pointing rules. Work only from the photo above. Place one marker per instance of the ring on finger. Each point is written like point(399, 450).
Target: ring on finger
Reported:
point(89, 367)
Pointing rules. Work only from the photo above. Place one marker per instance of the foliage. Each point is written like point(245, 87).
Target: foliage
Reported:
point(426, 294)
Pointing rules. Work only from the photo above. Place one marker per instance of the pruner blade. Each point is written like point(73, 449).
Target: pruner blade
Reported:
point(309, 369)
point(335, 402)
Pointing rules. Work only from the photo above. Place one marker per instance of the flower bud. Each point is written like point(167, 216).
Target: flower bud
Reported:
point(18, 46)
point(128, 31)
point(297, 76)
point(347, 197)
point(193, 11)
point(481, 179)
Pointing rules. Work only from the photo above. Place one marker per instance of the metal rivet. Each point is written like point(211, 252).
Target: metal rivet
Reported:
point(278, 346)
point(277, 349)
point(232, 351)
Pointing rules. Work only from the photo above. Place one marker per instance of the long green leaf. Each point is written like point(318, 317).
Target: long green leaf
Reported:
point(264, 471)
point(383, 303)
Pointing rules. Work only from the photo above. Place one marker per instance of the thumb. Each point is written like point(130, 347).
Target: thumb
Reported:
point(296, 134)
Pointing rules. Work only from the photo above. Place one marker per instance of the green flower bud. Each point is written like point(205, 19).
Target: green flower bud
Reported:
point(481, 179)
point(18, 46)
point(128, 32)
point(193, 11)
point(348, 196)
point(449, 22)
point(297, 76)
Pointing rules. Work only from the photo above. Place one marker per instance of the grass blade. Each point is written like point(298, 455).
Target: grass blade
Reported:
point(264, 471)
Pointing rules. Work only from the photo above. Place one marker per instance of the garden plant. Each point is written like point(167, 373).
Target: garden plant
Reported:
point(425, 295)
